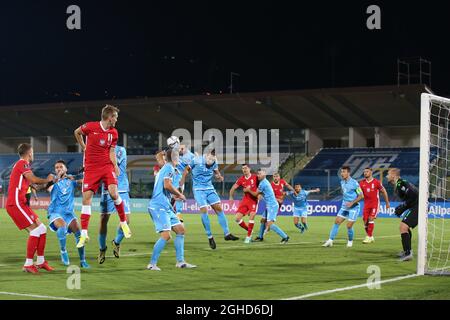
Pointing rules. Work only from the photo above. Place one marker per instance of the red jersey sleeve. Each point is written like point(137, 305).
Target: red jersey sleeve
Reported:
point(239, 182)
point(86, 128)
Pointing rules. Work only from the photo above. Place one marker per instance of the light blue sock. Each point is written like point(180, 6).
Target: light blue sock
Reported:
point(157, 249)
point(179, 206)
point(119, 235)
point(278, 231)
point(102, 241)
point(261, 230)
point(61, 234)
point(206, 224)
point(350, 233)
point(179, 247)
point(334, 231)
point(80, 250)
point(223, 222)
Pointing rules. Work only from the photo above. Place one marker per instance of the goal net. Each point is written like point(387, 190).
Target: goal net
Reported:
point(434, 187)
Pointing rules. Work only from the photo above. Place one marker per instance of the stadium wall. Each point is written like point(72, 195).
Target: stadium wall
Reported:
point(315, 208)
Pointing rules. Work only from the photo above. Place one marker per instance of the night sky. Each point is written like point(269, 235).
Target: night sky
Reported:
point(146, 48)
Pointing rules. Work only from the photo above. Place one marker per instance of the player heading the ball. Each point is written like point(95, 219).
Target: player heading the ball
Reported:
point(100, 165)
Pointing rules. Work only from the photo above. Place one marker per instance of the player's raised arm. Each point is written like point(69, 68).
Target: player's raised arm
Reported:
point(32, 179)
point(185, 173)
point(290, 188)
point(79, 137)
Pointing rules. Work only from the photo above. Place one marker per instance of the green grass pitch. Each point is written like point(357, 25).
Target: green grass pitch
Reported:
point(234, 270)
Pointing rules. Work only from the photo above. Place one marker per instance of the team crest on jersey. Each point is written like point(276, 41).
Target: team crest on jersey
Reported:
point(102, 142)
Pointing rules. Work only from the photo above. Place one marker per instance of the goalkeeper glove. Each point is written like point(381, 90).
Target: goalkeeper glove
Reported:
point(399, 210)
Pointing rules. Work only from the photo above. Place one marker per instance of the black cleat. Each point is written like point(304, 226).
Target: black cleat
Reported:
point(285, 240)
point(231, 237)
point(102, 256)
point(258, 239)
point(212, 243)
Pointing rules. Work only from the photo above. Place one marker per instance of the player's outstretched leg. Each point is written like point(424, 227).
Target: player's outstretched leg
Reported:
point(102, 233)
point(179, 248)
point(333, 233)
point(207, 226)
point(32, 243)
point(61, 234)
point(118, 239)
point(157, 249)
point(41, 263)
point(224, 224)
point(305, 223)
point(75, 228)
point(298, 225)
point(272, 226)
point(351, 234)
point(262, 228)
point(405, 233)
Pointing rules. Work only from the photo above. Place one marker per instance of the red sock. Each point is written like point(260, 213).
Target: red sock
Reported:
point(32, 244)
point(85, 216)
point(41, 245)
point(250, 228)
point(121, 211)
point(370, 229)
point(243, 225)
point(85, 221)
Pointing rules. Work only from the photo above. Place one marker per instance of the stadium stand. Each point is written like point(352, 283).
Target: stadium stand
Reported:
point(323, 170)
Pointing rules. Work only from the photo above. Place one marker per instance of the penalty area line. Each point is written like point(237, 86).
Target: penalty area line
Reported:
point(320, 293)
point(34, 296)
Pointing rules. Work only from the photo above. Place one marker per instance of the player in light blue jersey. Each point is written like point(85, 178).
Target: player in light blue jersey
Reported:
point(163, 215)
point(61, 213)
point(185, 159)
point(203, 168)
point(107, 207)
point(350, 207)
point(265, 191)
point(299, 198)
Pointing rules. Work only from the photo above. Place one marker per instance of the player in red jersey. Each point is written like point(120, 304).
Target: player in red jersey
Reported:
point(100, 165)
point(16, 205)
point(278, 185)
point(371, 189)
point(248, 204)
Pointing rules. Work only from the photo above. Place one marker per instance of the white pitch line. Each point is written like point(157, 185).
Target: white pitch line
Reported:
point(320, 293)
point(35, 296)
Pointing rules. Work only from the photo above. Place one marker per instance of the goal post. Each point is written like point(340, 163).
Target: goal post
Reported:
point(433, 255)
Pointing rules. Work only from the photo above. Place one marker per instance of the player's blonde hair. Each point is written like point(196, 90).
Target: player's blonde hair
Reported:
point(108, 111)
point(395, 171)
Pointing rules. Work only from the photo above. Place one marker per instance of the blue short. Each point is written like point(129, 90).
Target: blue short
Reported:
point(67, 217)
point(206, 197)
point(272, 212)
point(300, 212)
point(164, 218)
point(107, 204)
point(350, 214)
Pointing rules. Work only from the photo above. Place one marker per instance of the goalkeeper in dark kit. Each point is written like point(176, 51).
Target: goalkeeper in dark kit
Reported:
point(409, 208)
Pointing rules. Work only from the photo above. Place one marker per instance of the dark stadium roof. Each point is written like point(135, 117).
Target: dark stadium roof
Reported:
point(383, 106)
